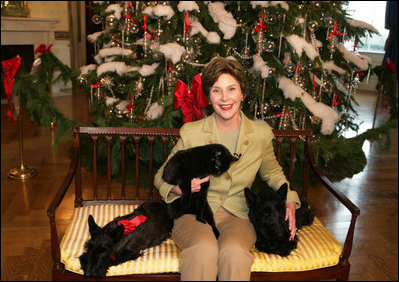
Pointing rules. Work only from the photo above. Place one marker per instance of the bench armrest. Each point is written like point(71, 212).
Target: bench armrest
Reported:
point(55, 203)
point(355, 211)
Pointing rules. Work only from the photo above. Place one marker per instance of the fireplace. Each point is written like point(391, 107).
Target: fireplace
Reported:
point(25, 34)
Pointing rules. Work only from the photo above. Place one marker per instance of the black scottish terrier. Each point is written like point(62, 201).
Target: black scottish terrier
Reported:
point(196, 162)
point(110, 245)
point(267, 214)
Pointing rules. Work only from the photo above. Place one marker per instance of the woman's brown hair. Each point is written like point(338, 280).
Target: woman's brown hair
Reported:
point(219, 66)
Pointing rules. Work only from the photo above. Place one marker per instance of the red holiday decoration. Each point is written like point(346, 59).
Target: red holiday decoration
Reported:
point(10, 68)
point(131, 225)
point(335, 32)
point(261, 26)
point(334, 101)
point(130, 106)
point(190, 101)
point(43, 49)
point(188, 23)
point(128, 15)
point(389, 64)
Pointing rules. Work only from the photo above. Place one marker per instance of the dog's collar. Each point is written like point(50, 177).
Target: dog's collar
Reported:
point(131, 225)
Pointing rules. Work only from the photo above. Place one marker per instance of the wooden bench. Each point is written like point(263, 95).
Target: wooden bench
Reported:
point(127, 199)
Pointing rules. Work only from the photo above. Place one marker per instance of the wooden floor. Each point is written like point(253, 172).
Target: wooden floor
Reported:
point(25, 232)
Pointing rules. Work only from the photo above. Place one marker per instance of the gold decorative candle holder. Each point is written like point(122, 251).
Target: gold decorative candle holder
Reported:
point(22, 171)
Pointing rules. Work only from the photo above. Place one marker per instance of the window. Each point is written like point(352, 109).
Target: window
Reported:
point(373, 13)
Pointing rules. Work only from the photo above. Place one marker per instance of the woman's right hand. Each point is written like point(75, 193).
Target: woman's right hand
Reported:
point(195, 185)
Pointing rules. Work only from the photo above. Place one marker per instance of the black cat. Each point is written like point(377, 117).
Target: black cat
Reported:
point(196, 162)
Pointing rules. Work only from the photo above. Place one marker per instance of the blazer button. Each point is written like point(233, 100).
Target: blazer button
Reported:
point(246, 142)
point(227, 177)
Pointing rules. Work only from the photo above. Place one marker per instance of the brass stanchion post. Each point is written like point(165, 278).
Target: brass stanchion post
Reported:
point(22, 171)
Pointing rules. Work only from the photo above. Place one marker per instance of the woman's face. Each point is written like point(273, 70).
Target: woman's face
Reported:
point(226, 96)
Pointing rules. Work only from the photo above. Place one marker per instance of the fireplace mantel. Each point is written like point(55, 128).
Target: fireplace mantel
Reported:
point(36, 31)
point(21, 31)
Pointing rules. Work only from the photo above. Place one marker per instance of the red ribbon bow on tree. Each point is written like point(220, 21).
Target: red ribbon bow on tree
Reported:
point(335, 32)
point(144, 26)
point(188, 23)
point(261, 26)
point(130, 106)
point(190, 101)
point(131, 225)
point(10, 68)
point(42, 48)
point(334, 101)
point(128, 15)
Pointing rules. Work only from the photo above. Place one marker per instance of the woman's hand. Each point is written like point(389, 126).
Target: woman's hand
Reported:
point(195, 185)
point(290, 216)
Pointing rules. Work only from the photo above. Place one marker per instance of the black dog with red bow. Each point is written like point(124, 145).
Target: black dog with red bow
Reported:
point(125, 237)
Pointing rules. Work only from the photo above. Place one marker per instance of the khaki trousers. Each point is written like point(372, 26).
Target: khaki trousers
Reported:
point(203, 258)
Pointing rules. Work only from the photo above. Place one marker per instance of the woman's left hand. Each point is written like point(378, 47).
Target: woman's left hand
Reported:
point(290, 216)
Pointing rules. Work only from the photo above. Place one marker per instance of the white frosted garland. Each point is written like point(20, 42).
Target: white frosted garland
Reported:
point(266, 4)
point(225, 20)
point(362, 62)
point(116, 8)
point(299, 45)
point(328, 116)
point(187, 6)
point(172, 51)
point(114, 51)
point(86, 69)
point(109, 101)
point(93, 37)
point(160, 11)
point(155, 111)
point(211, 36)
point(260, 66)
point(330, 66)
point(119, 67)
point(364, 25)
point(147, 70)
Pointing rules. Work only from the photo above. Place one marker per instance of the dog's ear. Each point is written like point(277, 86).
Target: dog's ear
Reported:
point(93, 227)
point(282, 191)
point(117, 233)
point(250, 196)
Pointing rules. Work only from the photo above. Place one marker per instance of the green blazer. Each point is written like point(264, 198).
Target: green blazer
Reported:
point(257, 155)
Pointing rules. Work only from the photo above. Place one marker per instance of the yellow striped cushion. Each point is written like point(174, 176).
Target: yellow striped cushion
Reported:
point(316, 247)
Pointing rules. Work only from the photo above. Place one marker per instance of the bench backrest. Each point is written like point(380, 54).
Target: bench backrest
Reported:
point(137, 152)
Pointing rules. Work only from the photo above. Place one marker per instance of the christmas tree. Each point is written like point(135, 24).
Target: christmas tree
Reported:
point(300, 74)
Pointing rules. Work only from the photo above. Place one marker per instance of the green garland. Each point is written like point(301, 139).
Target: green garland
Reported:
point(33, 90)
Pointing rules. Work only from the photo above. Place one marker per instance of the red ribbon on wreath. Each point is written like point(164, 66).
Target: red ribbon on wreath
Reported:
point(43, 49)
point(10, 68)
point(190, 101)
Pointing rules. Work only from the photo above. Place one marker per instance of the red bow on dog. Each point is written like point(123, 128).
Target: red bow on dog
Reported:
point(131, 225)
point(190, 101)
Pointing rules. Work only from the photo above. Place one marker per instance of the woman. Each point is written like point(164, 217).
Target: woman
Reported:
point(203, 257)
